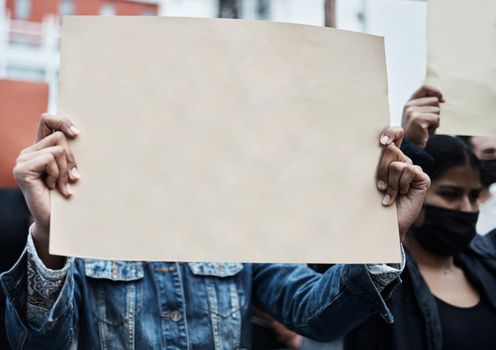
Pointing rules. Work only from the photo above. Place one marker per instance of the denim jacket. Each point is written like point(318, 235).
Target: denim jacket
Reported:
point(168, 305)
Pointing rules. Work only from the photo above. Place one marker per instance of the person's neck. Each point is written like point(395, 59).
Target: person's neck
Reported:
point(426, 259)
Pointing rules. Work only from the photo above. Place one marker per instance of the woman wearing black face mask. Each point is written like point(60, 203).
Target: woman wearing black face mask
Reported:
point(448, 297)
point(484, 147)
point(439, 247)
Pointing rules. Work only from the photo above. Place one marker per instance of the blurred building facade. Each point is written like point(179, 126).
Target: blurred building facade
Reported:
point(29, 34)
point(29, 30)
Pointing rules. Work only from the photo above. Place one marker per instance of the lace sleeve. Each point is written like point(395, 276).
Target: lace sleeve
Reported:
point(43, 284)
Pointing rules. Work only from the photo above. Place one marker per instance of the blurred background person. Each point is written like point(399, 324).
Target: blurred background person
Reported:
point(484, 148)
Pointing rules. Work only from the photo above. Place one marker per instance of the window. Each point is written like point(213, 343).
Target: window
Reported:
point(107, 10)
point(23, 73)
point(148, 13)
point(22, 9)
point(230, 9)
point(66, 7)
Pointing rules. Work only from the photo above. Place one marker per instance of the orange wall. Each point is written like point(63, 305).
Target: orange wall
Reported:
point(41, 8)
point(92, 7)
point(21, 104)
point(38, 8)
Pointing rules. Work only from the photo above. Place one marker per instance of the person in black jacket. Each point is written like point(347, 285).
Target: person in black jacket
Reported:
point(448, 296)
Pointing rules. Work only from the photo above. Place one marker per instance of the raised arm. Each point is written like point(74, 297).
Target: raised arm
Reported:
point(327, 306)
point(421, 114)
point(40, 288)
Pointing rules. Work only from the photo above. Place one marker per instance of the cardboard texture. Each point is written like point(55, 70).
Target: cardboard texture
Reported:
point(461, 62)
point(223, 140)
point(21, 105)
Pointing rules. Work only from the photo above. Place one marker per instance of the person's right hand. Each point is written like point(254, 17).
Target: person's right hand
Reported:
point(421, 115)
point(285, 336)
point(46, 165)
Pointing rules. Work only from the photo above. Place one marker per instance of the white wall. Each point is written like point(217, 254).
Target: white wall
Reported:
point(189, 8)
point(293, 11)
point(403, 23)
point(298, 11)
point(350, 15)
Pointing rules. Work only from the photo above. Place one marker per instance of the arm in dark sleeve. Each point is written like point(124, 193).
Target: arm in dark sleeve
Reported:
point(323, 306)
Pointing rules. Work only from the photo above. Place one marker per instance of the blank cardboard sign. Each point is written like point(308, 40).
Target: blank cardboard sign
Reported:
point(223, 140)
point(461, 62)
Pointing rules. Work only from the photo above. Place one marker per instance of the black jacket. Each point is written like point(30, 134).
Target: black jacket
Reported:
point(14, 223)
point(417, 325)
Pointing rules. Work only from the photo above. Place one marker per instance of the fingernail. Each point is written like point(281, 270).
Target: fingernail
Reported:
point(384, 139)
point(69, 190)
point(386, 200)
point(382, 185)
point(75, 173)
point(74, 130)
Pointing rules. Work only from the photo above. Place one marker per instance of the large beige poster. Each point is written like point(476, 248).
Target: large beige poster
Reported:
point(461, 60)
point(223, 140)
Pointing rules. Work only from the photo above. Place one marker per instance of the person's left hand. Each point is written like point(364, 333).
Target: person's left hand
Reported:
point(400, 180)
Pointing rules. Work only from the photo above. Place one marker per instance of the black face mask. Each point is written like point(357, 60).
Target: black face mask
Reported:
point(445, 232)
point(488, 172)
